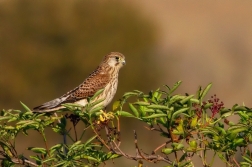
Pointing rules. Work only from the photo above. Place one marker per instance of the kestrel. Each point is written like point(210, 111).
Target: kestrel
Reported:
point(104, 77)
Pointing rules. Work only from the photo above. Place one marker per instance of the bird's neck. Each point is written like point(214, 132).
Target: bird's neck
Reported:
point(113, 71)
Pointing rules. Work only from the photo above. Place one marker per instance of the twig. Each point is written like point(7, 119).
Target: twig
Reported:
point(109, 137)
point(172, 140)
point(138, 157)
point(116, 149)
point(113, 142)
point(63, 134)
point(154, 151)
point(135, 141)
point(12, 146)
point(44, 139)
point(137, 148)
point(236, 162)
point(21, 161)
point(148, 158)
point(121, 152)
point(65, 142)
point(99, 138)
point(118, 132)
point(160, 128)
point(75, 133)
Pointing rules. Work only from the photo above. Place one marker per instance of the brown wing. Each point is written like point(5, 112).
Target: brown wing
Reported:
point(88, 88)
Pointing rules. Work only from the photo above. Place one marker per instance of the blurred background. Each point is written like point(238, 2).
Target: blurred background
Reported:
point(49, 47)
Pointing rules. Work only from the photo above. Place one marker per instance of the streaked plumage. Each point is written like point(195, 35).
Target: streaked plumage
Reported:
point(105, 76)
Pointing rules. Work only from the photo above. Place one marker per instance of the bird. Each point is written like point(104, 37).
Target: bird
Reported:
point(105, 77)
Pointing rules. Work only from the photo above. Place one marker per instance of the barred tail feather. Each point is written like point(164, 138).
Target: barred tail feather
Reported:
point(52, 105)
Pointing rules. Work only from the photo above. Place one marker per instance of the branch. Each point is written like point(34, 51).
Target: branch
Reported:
point(21, 161)
point(164, 144)
point(115, 148)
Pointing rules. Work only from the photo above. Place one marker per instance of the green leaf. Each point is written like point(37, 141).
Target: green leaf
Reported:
point(176, 132)
point(175, 86)
point(55, 147)
point(178, 112)
point(195, 101)
point(175, 98)
point(233, 108)
point(9, 128)
point(245, 164)
point(5, 118)
point(49, 159)
point(155, 106)
point(247, 159)
point(199, 92)
point(180, 146)
point(237, 130)
point(72, 105)
point(63, 122)
point(225, 112)
point(111, 155)
point(193, 144)
point(7, 163)
point(157, 94)
point(155, 116)
point(243, 114)
point(24, 122)
point(142, 103)
point(96, 103)
point(93, 110)
point(239, 141)
point(124, 114)
point(167, 150)
point(194, 122)
point(152, 111)
point(18, 111)
point(37, 150)
point(222, 156)
point(184, 164)
point(220, 130)
point(97, 113)
point(85, 157)
point(209, 130)
point(130, 94)
point(30, 125)
point(35, 158)
point(133, 109)
point(60, 163)
point(25, 107)
point(186, 99)
point(75, 144)
point(182, 158)
point(96, 94)
point(116, 105)
point(177, 146)
point(208, 105)
point(205, 91)
point(240, 108)
point(90, 140)
point(162, 121)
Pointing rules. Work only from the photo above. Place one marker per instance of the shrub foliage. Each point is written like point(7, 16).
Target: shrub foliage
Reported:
point(191, 126)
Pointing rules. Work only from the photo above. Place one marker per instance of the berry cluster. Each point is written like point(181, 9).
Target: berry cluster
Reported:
point(215, 108)
point(217, 105)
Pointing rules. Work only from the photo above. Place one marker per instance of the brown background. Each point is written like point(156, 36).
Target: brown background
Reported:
point(49, 47)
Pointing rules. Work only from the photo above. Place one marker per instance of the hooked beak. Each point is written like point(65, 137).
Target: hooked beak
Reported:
point(123, 62)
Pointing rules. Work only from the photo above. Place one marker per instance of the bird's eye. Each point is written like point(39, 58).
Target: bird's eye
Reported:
point(117, 58)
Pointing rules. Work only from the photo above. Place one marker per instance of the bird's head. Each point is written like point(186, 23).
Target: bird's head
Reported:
point(115, 60)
